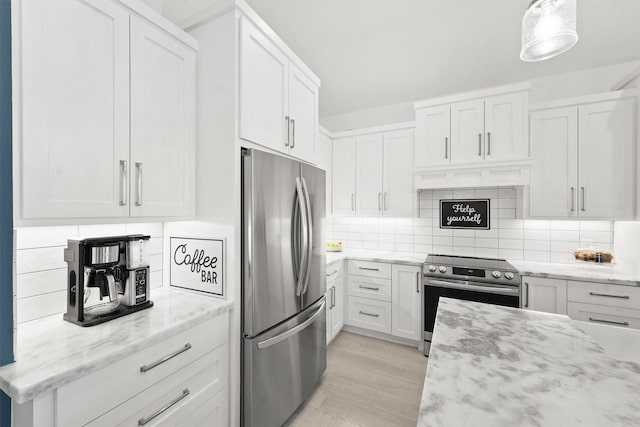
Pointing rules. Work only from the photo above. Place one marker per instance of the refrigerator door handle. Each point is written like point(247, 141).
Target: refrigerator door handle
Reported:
point(302, 273)
point(309, 247)
point(291, 332)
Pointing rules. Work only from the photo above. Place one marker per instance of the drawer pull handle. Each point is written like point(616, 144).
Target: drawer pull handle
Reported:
point(147, 419)
point(369, 314)
point(368, 268)
point(610, 322)
point(145, 368)
point(369, 287)
point(595, 294)
point(332, 273)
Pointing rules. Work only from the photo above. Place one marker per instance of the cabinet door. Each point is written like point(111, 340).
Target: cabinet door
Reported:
point(554, 173)
point(397, 173)
point(433, 139)
point(337, 312)
point(405, 301)
point(162, 123)
point(607, 173)
point(324, 149)
point(369, 175)
point(263, 90)
point(467, 132)
point(548, 295)
point(505, 127)
point(303, 113)
point(75, 109)
point(344, 177)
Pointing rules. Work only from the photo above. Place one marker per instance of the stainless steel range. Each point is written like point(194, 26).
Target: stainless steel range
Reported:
point(487, 280)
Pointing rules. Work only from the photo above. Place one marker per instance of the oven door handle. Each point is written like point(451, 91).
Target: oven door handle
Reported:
point(474, 286)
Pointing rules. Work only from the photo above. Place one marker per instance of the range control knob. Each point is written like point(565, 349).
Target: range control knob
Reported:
point(432, 268)
point(508, 275)
point(442, 269)
point(496, 274)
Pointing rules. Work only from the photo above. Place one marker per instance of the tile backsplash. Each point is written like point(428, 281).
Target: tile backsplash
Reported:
point(41, 279)
point(509, 237)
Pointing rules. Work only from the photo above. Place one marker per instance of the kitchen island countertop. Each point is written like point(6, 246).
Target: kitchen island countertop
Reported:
point(52, 352)
point(500, 366)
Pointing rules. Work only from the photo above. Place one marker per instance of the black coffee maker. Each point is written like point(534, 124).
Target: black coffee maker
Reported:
point(107, 277)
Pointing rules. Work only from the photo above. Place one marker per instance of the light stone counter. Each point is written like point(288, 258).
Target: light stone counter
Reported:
point(410, 258)
point(499, 366)
point(52, 352)
point(579, 270)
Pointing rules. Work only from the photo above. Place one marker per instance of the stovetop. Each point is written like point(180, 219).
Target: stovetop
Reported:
point(491, 270)
point(469, 262)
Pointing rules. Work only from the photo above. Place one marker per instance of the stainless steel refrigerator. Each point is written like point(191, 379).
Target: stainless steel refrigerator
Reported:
point(283, 286)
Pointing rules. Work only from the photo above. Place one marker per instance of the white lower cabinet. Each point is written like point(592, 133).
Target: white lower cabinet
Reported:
point(604, 303)
point(335, 300)
point(406, 301)
point(369, 314)
point(541, 294)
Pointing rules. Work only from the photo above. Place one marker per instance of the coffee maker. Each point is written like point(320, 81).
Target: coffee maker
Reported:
point(107, 277)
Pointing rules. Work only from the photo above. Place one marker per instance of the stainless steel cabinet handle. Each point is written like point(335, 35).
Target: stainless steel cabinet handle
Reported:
point(384, 201)
point(584, 199)
point(139, 183)
point(479, 144)
point(369, 268)
point(369, 314)
point(526, 303)
point(332, 273)
point(573, 199)
point(147, 419)
point(293, 133)
point(417, 282)
point(333, 296)
point(123, 182)
point(353, 201)
point(446, 147)
point(380, 201)
point(610, 322)
point(369, 287)
point(145, 368)
point(595, 294)
point(286, 143)
point(488, 143)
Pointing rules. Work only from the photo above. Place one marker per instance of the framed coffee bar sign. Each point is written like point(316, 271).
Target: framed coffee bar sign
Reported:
point(197, 264)
point(471, 213)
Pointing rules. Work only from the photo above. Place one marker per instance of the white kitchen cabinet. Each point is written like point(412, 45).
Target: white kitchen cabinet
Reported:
point(278, 101)
point(369, 174)
point(369, 314)
point(397, 186)
point(467, 132)
point(541, 294)
point(324, 149)
point(433, 136)
point(406, 301)
point(604, 303)
point(335, 299)
point(344, 177)
point(162, 123)
point(103, 88)
point(505, 126)
point(571, 147)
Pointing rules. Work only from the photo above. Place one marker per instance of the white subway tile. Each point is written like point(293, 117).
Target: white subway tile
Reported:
point(370, 228)
point(442, 241)
point(370, 237)
point(40, 259)
point(486, 243)
point(511, 223)
point(101, 230)
point(464, 233)
point(442, 194)
point(506, 213)
point(42, 282)
point(562, 257)
point(423, 240)
point(537, 235)
point(156, 280)
point(595, 226)
point(493, 233)
point(464, 193)
point(404, 247)
point(422, 231)
point(422, 222)
point(506, 203)
point(464, 241)
point(40, 306)
point(511, 254)
point(387, 222)
point(596, 236)
point(506, 193)
point(536, 224)
point(354, 236)
point(558, 235)
point(487, 252)
point(354, 228)
point(437, 231)
point(464, 251)
point(407, 222)
point(425, 194)
point(354, 220)
point(510, 233)
point(370, 221)
point(339, 236)
point(40, 237)
point(387, 246)
point(387, 237)
point(426, 213)
point(404, 238)
point(355, 244)
point(387, 229)
point(340, 228)
point(564, 225)
point(443, 249)
point(369, 244)
point(153, 229)
point(425, 249)
point(155, 262)
point(540, 256)
point(511, 244)
point(564, 246)
point(537, 245)
point(404, 229)
point(155, 245)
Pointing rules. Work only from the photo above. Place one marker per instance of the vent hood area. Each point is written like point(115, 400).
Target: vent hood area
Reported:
point(494, 174)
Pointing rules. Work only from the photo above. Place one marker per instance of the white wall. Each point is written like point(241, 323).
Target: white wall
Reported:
point(567, 85)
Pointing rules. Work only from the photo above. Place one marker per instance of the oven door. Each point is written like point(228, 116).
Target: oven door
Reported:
point(465, 290)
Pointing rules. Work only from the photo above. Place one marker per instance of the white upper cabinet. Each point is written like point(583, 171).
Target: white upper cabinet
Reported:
point(369, 175)
point(606, 158)
point(583, 160)
point(162, 123)
point(101, 90)
point(344, 176)
point(504, 127)
point(75, 109)
point(433, 136)
point(278, 101)
point(554, 173)
point(264, 89)
point(397, 188)
point(467, 132)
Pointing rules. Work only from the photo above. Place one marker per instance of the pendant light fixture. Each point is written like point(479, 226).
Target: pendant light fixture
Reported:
point(548, 29)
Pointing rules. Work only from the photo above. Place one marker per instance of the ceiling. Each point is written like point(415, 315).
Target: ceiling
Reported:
point(371, 53)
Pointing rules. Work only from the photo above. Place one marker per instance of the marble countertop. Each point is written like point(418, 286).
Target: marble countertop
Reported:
point(502, 366)
point(411, 258)
point(52, 352)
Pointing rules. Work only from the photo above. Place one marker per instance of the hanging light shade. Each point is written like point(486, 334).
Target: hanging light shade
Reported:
point(548, 29)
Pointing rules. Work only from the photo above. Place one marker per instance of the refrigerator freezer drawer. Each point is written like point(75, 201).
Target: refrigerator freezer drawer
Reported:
point(282, 367)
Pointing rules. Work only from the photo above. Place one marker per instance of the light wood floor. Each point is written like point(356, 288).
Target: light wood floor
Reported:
point(367, 383)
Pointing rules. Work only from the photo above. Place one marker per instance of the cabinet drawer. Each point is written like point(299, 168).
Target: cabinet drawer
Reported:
point(370, 269)
point(369, 287)
point(180, 394)
point(84, 399)
point(605, 315)
point(335, 270)
point(604, 294)
point(370, 314)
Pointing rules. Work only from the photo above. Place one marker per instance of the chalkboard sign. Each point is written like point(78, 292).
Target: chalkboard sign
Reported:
point(472, 213)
